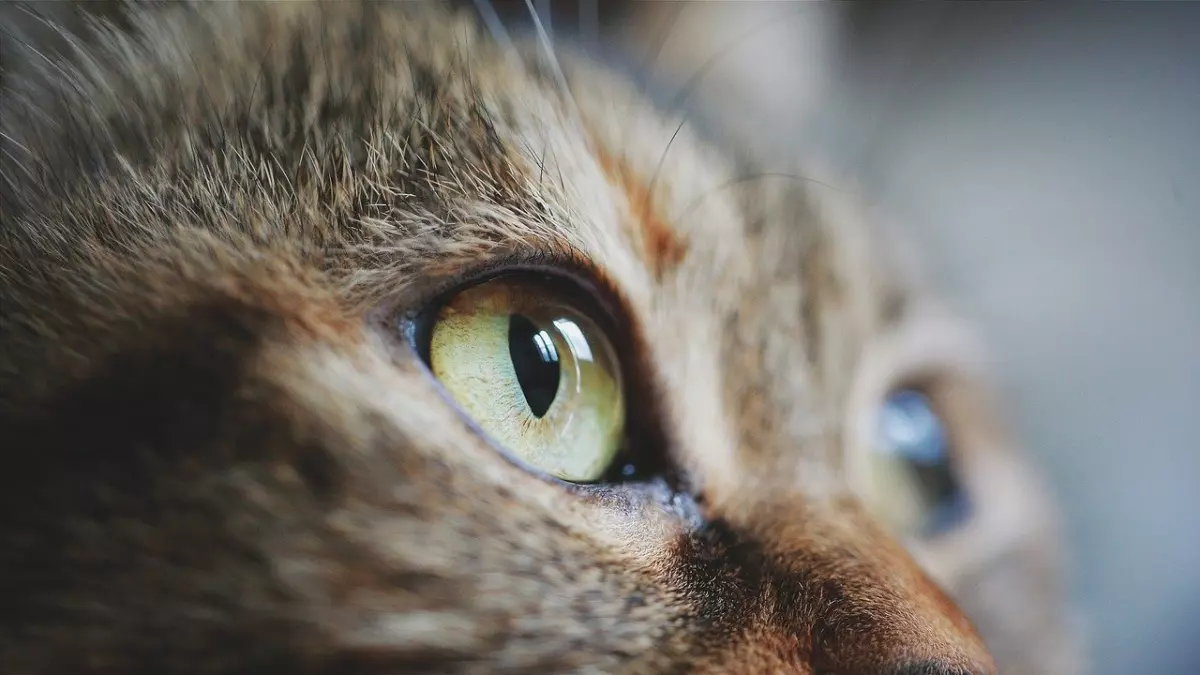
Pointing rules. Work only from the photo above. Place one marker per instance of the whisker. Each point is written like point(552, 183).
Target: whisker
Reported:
point(662, 161)
point(544, 13)
point(742, 180)
point(650, 58)
point(692, 83)
point(552, 59)
point(495, 26)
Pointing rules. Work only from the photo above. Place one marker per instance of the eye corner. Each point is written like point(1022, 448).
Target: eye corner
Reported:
point(415, 329)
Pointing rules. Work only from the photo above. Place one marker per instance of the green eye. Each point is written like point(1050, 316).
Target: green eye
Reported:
point(535, 372)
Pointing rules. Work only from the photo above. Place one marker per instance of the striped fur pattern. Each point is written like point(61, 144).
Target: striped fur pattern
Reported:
point(225, 458)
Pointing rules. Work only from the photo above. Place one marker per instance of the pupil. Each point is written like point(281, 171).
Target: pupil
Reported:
point(535, 361)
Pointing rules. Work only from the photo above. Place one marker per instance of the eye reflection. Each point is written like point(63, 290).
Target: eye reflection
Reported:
point(914, 469)
point(573, 335)
point(534, 371)
point(909, 428)
point(535, 363)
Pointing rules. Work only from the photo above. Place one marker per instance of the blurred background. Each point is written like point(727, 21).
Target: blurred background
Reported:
point(1046, 157)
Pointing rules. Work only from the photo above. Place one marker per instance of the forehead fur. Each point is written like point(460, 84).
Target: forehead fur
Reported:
point(373, 151)
point(235, 188)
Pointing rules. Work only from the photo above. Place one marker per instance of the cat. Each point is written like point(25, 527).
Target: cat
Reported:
point(348, 338)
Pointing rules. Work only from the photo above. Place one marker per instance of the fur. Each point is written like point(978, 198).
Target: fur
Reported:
point(230, 460)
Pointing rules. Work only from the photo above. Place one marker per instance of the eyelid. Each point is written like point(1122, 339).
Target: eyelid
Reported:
point(924, 349)
point(646, 437)
point(574, 276)
point(439, 281)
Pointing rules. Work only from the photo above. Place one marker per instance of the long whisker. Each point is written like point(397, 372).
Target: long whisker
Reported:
point(692, 83)
point(748, 178)
point(650, 58)
point(662, 161)
point(495, 26)
point(544, 13)
point(548, 52)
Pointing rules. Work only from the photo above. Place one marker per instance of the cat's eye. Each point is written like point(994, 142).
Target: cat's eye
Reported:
point(913, 475)
point(536, 372)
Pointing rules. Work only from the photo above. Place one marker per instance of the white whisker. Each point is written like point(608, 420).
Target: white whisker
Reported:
point(552, 59)
point(495, 26)
point(543, 13)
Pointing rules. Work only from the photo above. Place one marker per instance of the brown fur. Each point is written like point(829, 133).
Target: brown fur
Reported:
point(230, 461)
point(662, 250)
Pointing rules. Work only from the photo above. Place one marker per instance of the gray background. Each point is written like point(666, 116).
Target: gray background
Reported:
point(1048, 157)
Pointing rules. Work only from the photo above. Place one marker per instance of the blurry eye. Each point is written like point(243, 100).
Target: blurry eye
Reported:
point(912, 472)
point(535, 372)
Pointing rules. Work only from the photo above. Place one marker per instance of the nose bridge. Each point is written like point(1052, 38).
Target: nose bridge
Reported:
point(839, 578)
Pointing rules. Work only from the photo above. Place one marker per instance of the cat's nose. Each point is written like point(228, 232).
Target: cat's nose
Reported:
point(932, 669)
point(834, 576)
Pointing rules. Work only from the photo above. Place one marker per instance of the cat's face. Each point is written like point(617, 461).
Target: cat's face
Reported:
point(281, 287)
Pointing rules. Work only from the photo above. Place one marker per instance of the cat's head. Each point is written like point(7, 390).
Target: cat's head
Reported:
point(340, 339)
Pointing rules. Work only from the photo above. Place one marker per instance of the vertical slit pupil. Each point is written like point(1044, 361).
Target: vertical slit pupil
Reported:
point(535, 362)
